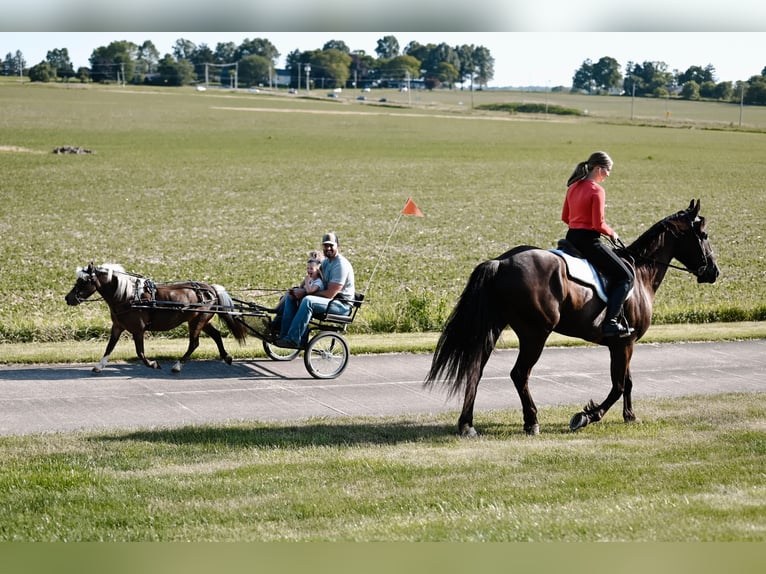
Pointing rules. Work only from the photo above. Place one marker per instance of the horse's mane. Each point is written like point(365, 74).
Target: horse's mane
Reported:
point(652, 240)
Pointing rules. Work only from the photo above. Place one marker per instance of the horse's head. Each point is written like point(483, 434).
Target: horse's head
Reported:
point(692, 245)
point(89, 280)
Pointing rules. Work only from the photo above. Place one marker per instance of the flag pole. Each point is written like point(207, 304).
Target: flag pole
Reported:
point(380, 257)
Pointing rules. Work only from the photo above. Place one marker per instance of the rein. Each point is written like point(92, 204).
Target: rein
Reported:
point(620, 244)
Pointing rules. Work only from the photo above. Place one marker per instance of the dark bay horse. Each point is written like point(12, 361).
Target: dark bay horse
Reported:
point(138, 305)
point(528, 289)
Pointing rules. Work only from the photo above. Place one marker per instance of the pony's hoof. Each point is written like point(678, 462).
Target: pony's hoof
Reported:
point(176, 368)
point(534, 430)
point(95, 370)
point(469, 432)
point(578, 421)
point(227, 359)
point(155, 365)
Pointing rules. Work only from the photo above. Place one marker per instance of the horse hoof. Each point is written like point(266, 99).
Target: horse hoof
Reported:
point(578, 421)
point(95, 370)
point(469, 432)
point(176, 368)
point(227, 359)
point(534, 430)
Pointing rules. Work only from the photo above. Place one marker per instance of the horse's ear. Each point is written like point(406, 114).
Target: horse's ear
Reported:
point(693, 209)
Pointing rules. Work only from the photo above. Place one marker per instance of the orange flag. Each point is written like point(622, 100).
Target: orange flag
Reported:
point(411, 209)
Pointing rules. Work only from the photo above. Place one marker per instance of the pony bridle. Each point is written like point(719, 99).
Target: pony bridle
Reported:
point(700, 236)
point(83, 274)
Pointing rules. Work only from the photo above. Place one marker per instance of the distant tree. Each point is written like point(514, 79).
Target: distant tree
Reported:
point(107, 63)
point(399, 68)
point(257, 47)
point(362, 69)
point(42, 72)
point(339, 45)
point(708, 90)
point(13, 64)
point(387, 48)
point(83, 74)
point(583, 77)
point(690, 90)
point(330, 68)
point(724, 91)
point(254, 70)
point(601, 76)
point(647, 78)
point(485, 65)
point(175, 72)
point(755, 92)
point(9, 65)
point(225, 53)
point(59, 59)
point(698, 74)
point(184, 49)
point(606, 74)
point(147, 58)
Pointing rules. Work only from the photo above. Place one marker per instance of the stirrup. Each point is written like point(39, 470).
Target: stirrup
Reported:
point(616, 329)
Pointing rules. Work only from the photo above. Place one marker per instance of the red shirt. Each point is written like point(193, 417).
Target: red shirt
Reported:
point(584, 207)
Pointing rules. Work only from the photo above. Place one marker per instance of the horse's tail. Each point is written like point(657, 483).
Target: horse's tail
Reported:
point(470, 334)
point(236, 327)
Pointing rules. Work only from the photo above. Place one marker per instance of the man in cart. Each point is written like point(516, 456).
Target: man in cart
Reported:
point(336, 298)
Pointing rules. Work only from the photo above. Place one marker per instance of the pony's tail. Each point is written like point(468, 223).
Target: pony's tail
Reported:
point(470, 334)
point(236, 327)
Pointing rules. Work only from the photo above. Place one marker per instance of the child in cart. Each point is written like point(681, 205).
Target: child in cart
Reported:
point(312, 282)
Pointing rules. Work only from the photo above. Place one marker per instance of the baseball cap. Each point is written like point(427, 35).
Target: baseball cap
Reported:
point(330, 238)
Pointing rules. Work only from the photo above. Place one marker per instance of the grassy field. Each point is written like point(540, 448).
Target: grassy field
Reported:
point(235, 188)
point(401, 479)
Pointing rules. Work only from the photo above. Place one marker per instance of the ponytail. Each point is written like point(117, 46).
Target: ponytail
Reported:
point(596, 159)
point(579, 173)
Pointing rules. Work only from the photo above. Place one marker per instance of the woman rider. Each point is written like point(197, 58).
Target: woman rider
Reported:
point(584, 214)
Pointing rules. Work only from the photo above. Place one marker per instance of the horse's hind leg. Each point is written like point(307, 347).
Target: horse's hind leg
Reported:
point(138, 339)
point(215, 334)
point(530, 348)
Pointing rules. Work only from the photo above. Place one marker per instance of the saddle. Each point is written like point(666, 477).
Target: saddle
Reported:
point(581, 270)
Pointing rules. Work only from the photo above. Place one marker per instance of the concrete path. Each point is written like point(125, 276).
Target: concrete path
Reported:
point(128, 396)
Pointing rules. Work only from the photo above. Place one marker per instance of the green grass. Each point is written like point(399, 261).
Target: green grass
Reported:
point(401, 479)
point(235, 188)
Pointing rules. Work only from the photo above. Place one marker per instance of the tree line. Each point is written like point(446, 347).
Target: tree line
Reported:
point(254, 61)
point(653, 79)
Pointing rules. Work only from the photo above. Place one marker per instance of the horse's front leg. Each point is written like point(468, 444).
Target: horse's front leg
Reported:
point(195, 327)
point(138, 339)
point(113, 338)
point(620, 353)
point(627, 403)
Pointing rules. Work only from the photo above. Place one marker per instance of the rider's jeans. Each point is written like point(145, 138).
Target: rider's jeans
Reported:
point(295, 323)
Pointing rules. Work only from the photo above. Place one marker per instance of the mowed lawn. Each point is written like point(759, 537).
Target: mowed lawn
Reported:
point(235, 188)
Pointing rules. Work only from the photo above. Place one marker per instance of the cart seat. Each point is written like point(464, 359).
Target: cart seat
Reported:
point(344, 319)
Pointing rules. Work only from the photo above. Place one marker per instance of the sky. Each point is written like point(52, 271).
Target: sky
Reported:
point(533, 42)
point(546, 59)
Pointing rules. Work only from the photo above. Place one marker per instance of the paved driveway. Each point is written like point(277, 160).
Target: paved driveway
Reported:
point(49, 398)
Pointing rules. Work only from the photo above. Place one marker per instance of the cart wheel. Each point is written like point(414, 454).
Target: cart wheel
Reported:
point(280, 353)
point(326, 355)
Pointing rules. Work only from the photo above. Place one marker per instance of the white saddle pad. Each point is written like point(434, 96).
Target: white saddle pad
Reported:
point(581, 270)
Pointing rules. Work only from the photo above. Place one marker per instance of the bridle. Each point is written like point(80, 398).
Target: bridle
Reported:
point(699, 235)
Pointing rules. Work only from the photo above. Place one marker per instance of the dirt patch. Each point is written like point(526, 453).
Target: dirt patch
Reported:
point(17, 149)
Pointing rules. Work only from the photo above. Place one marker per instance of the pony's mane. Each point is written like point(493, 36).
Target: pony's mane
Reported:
point(125, 287)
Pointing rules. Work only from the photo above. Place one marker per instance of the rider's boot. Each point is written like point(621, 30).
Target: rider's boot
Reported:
point(612, 326)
